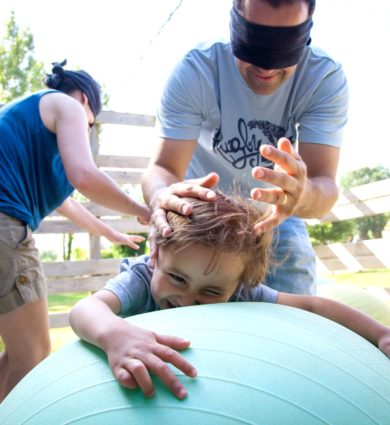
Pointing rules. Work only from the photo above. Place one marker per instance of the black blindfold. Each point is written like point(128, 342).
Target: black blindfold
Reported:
point(268, 47)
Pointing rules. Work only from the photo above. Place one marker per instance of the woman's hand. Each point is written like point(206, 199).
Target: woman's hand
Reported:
point(125, 239)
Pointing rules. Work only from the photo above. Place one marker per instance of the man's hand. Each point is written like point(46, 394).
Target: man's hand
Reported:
point(170, 199)
point(134, 352)
point(289, 178)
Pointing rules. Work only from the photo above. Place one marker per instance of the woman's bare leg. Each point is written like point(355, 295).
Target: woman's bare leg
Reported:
point(25, 332)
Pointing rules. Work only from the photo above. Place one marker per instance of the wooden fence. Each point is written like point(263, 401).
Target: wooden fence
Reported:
point(90, 275)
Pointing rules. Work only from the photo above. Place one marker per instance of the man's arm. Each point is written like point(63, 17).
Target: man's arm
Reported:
point(167, 166)
point(321, 191)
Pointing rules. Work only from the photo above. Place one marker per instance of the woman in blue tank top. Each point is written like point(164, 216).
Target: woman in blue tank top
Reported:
point(44, 156)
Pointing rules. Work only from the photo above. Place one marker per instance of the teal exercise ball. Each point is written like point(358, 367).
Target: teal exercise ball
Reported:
point(258, 364)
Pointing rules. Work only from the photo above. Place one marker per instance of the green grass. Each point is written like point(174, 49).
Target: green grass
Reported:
point(380, 277)
point(64, 302)
point(61, 303)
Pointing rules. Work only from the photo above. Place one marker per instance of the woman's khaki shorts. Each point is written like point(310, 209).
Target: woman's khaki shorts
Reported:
point(21, 274)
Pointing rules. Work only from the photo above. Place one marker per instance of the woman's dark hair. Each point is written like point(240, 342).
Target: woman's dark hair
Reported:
point(69, 81)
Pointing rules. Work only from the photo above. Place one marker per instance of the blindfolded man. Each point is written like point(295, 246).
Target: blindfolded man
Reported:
point(264, 115)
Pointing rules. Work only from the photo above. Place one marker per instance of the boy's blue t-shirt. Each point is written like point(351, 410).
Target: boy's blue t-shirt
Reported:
point(132, 287)
point(33, 181)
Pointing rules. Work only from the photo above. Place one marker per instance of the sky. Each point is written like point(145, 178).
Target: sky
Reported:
point(125, 45)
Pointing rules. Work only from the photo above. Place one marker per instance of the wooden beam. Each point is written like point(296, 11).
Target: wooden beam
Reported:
point(58, 320)
point(125, 118)
point(125, 177)
point(362, 201)
point(115, 161)
point(80, 284)
point(81, 268)
point(123, 225)
point(362, 255)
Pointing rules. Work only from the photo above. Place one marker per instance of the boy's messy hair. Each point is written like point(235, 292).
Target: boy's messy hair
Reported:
point(227, 225)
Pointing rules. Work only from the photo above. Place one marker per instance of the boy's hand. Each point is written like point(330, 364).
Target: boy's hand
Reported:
point(133, 352)
point(384, 344)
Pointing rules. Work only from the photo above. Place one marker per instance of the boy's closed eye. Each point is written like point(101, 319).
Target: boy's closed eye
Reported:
point(177, 279)
point(213, 292)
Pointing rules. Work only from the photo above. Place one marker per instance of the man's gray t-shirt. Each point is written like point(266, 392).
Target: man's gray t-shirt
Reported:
point(132, 287)
point(206, 99)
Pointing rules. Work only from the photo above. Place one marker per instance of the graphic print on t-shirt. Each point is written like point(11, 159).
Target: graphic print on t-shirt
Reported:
point(242, 150)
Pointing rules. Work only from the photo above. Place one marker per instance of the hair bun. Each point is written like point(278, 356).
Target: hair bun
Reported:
point(58, 68)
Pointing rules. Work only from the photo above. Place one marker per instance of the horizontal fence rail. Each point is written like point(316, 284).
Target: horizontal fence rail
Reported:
point(362, 201)
point(77, 276)
point(357, 256)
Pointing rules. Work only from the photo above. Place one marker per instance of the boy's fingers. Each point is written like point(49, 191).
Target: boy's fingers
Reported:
point(173, 341)
point(141, 376)
point(169, 355)
point(125, 379)
point(165, 373)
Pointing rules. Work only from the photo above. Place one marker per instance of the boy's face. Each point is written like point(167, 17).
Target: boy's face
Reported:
point(179, 278)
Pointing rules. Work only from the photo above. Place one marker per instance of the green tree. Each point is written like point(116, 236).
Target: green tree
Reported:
point(364, 175)
point(367, 227)
point(339, 231)
point(20, 72)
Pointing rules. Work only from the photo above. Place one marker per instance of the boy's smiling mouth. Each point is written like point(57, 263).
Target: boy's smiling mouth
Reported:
point(170, 305)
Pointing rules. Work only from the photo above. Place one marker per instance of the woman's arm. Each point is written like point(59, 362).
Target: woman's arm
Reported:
point(79, 215)
point(66, 117)
point(362, 324)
